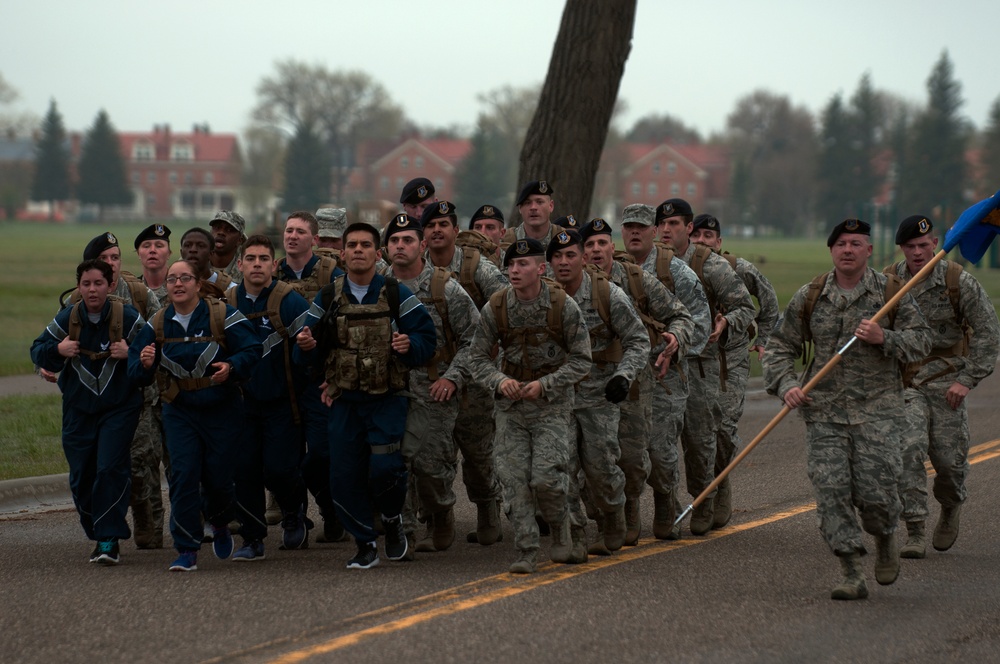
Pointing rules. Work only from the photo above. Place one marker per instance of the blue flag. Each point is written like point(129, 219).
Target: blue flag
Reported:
point(974, 231)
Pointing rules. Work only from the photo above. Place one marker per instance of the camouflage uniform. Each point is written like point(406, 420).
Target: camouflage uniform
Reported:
point(931, 424)
point(519, 234)
point(428, 446)
point(532, 450)
point(853, 424)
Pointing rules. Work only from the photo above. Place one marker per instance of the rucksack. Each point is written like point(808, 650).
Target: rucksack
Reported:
point(601, 298)
point(115, 324)
point(138, 291)
point(318, 278)
point(480, 243)
point(553, 328)
point(466, 275)
point(170, 385)
point(447, 351)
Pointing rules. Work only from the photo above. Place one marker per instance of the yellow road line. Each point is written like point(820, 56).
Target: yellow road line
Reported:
point(494, 588)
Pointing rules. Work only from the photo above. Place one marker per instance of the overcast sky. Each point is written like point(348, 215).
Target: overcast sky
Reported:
point(183, 62)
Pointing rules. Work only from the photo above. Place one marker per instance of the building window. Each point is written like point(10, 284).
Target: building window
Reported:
point(383, 182)
point(399, 183)
point(209, 177)
point(151, 177)
point(651, 189)
point(404, 163)
point(143, 152)
point(675, 189)
point(172, 177)
point(636, 188)
point(189, 178)
point(150, 201)
point(226, 201)
point(656, 168)
point(418, 162)
point(671, 168)
point(187, 200)
point(136, 177)
point(181, 152)
point(691, 189)
point(206, 199)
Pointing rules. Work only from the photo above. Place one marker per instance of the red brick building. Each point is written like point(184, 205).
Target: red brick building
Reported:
point(434, 159)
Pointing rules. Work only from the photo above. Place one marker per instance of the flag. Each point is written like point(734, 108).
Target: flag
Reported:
point(974, 231)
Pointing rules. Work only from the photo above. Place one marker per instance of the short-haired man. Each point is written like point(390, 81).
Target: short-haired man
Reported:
point(854, 416)
point(330, 235)
point(535, 205)
point(731, 309)
point(429, 447)
point(380, 329)
point(196, 246)
point(534, 387)
point(619, 347)
point(417, 194)
point(488, 220)
point(964, 345)
point(229, 230)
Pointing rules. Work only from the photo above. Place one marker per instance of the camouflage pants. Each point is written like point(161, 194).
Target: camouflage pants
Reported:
point(146, 499)
point(474, 431)
point(533, 456)
point(854, 466)
point(596, 442)
point(932, 429)
point(727, 441)
point(668, 420)
point(634, 430)
point(702, 419)
point(428, 450)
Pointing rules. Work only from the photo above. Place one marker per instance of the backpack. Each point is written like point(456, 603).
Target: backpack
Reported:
point(553, 328)
point(115, 324)
point(447, 352)
point(479, 242)
point(319, 278)
point(601, 299)
point(138, 291)
point(169, 385)
point(466, 275)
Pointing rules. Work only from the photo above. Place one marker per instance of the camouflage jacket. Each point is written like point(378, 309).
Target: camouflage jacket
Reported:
point(767, 315)
point(975, 307)
point(463, 317)
point(487, 277)
point(867, 383)
point(691, 293)
point(574, 360)
point(666, 308)
point(625, 326)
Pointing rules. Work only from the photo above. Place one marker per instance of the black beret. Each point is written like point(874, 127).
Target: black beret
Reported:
point(491, 212)
point(97, 246)
point(673, 207)
point(152, 232)
point(708, 222)
point(596, 227)
point(402, 222)
point(855, 226)
point(438, 210)
point(569, 221)
point(417, 191)
point(562, 240)
point(913, 227)
point(523, 249)
point(540, 187)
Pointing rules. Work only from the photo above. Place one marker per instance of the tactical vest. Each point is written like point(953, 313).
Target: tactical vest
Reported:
point(115, 323)
point(362, 357)
point(480, 243)
point(600, 297)
point(961, 348)
point(320, 276)
point(450, 347)
point(168, 384)
point(524, 337)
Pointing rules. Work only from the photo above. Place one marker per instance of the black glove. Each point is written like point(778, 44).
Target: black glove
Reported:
point(617, 389)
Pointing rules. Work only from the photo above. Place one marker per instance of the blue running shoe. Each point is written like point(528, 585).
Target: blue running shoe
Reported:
point(186, 562)
point(222, 542)
point(251, 550)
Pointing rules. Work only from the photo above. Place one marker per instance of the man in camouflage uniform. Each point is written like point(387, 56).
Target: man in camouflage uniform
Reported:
point(428, 445)
point(474, 427)
point(964, 345)
point(735, 348)
point(417, 194)
point(619, 349)
point(546, 351)
point(229, 230)
point(649, 457)
point(732, 310)
point(535, 205)
point(330, 238)
point(488, 220)
point(854, 416)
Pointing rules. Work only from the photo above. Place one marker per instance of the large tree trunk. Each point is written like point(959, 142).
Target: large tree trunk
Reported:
point(564, 142)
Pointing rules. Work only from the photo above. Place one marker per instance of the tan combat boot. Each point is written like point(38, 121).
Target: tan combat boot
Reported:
point(526, 563)
point(723, 504)
point(444, 529)
point(702, 517)
point(664, 515)
point(946, 530)
point(562, 542)
point(853, 586)
point(614, 529)
point(488, 522)
point(632, 525)
point(144, 528)
point(578, 553)
point(886, 560)
point(272, 513)
point(916, 541)
point(426, 543)
point(597, 547)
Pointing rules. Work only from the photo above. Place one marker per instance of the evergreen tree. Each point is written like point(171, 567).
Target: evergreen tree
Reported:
point(487, 174)
point(102, 169)
point(991, 151)
point(836, 163)
point(307, 170)
point(866, 122)
point(935, 165)
point(51, 181)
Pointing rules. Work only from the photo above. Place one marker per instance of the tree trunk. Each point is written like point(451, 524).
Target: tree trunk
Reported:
point(564, 142)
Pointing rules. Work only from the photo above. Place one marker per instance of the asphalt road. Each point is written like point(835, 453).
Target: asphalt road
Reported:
point(756, 591)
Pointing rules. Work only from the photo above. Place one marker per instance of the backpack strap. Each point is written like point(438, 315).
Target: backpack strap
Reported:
point(115, 324)
point(447, 351)
point(498, 303)
point(467, 274)
point(665, 254)
point(138, 290)
point(601, 297)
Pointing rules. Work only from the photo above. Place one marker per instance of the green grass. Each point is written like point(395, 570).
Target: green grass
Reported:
point(30, 439)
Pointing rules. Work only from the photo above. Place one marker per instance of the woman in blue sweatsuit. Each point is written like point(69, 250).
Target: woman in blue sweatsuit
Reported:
point(200, 363)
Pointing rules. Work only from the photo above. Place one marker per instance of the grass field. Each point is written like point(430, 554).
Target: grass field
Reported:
point(30, 438)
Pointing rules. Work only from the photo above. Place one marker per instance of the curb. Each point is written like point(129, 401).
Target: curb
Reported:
point(34, 493)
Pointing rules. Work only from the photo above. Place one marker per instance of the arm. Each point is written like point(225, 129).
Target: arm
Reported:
point(463, 318)
point(767, 314)
point(976, 307)
point(417, 326)
point(578, 359)
point(628, 327)
point(783, 348)
point(691, 293)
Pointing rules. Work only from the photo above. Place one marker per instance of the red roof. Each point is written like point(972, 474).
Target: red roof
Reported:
point(452, 151)
point(207, 146)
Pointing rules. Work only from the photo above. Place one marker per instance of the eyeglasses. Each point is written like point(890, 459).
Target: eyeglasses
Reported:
point(184, 279)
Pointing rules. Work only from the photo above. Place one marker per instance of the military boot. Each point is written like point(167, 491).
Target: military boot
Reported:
point(664, 515)
point(946, 530)
point(632, 524)
point(597, 547)
point(886, 559)
point(488, 522)
point(526, 563)
point(562, 542)
point(426, 543)
point(702, 517)
point(853, 586)
point(614, 529)
point(144, 527)
point(723, 504)
point(578, 552)
point(272, 513)
point(916, 541)
point(444, 529)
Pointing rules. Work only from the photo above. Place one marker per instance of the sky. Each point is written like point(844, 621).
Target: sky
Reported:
point(185, 62)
